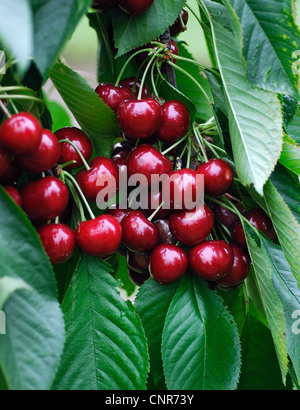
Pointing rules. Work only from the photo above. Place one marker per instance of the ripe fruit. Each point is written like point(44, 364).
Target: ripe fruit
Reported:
point(183, 189)
point(165, 234)
point(138, 278)
point(14, 194)
point(67, 152)
point(239, 270)
point(5, 160)
point(135, 7)
point(44, 157)
point(211, 260)
point(138, 261)
point(177, 27)
point(99, 237)
point(218, 176)
point(113, 96)
point(167, 263)
point(58, 241)
point(21, 134)
point(139, 118)
point(135, 85)
point(192, 227)
point(175, 121)
point(45, 199)
point(227, 217)
point(154, 201)
point(119, 214)
point(103, 5)
point(11, 175)
point(139, 234)
point(103, 171)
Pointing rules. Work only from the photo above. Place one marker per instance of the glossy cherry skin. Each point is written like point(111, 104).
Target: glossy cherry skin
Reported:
point(103, 5)
point(119, 214)
point(99, 237)
point(192, 227)
point(58, 240)
point(139, 118)
point(135, 7)
point(44, 157)
point(218, 176)
point(239, 270)
point(138, 261)
point(165, 234)
point(5, 160)
point(177, 27)
point(175, 121)
point(67, 152)
point(135, 85)
point(227, 217)
point(184, 187)
point(45, 199)
point(147, 160)
point(138, 278)
point(168, 263)
point(113, 96)
point(139, 234)
point(211, 260)
point(92, 181)
point(21, 134)
point(14, 194)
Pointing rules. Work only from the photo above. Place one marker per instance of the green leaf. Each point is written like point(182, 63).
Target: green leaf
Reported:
point(131, 32)
point(290, 157)
point(255, 119)
point(8, 286)
point(105, 346)
point(31, 348)
point(94, 117)
point(200, 344)
point(293, 128)
point(59, 115)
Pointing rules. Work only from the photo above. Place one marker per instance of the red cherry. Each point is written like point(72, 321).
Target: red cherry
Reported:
point(177, 27)
point(59, 242)
point(135, 7)
point(45, 199)
point(68, 152)
point(147, 160)
point(138, 261)
point(139, 118)
point(99, 237)
point(14, 194)
point(184, 188)
point(227, 217)
point(113, 96)
point(21, 134)
point(121, 147)
point(103, 171)
point(103, 5)
point(5, 161)
point(192, 227)
point(165, 234)
point(168, 263)
point(45, 156)
point(135, 85)
point(175, 121)
point(218, 176)
point(139, 234)
point(119, 214)
point(211, 260)
point(239, 270)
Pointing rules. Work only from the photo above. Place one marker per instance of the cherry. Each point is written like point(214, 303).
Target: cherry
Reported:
point(113, 96)
point(239, 270)
point(103, 5)
point(45, 199)
point(99, 237)
point(177, 27)
point(192, 227)
point(21, 134)
point(154, 201)
point(135, 85)
point(11, 175)
point(139, 234)
point(165, 234)
point(218, 176)
point(138, 278)
point(119, 214)
point(5, 161)
point(44, 157)
point(68, 152)
point(14, 194)
point(138, 261)
point(121, 147)
point(95, 179)
point(175, 121)
point(168, 263)
point(139, 118)
point(58, 240)
point(135, 7)
point(211, 260)
point(183, 188)
point(225, 216)
point(147, 160)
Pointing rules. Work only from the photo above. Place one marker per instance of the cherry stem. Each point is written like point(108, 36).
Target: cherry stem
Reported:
point(67, 164)
point(188, 60)
point(174, 145)
point(189, 145)
point(77, 200)
point(22, 97)
point(5, 110)
point(154, 56)
point(78, 152)
point(155, 212)
point(198, 137)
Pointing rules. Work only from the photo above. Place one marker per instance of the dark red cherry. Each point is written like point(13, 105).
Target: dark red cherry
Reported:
point(14, 194)
point(68, 152)
point(211, 260)
point(168, 263)
point(139, 234)
point(44, 157)
point(218, 176)
point(192, 227)
point(103, 171)
point(121, 147)
point(113, 96)
point(239, 270)
point(227, 217)
point(186, 190)
point(103, 5)
point(21, 134)
point(175, 121)
point(11, 175)
point(139, 118)
point(45, 199)
point(165, 234)
point(135, 85)
point(58, 240)
point(118, 213)
point(5, 160)
point(135, 7)
point(138, 261)
point(177, 26)
point(148, 161)
point(99, 237)
point(138, 278)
